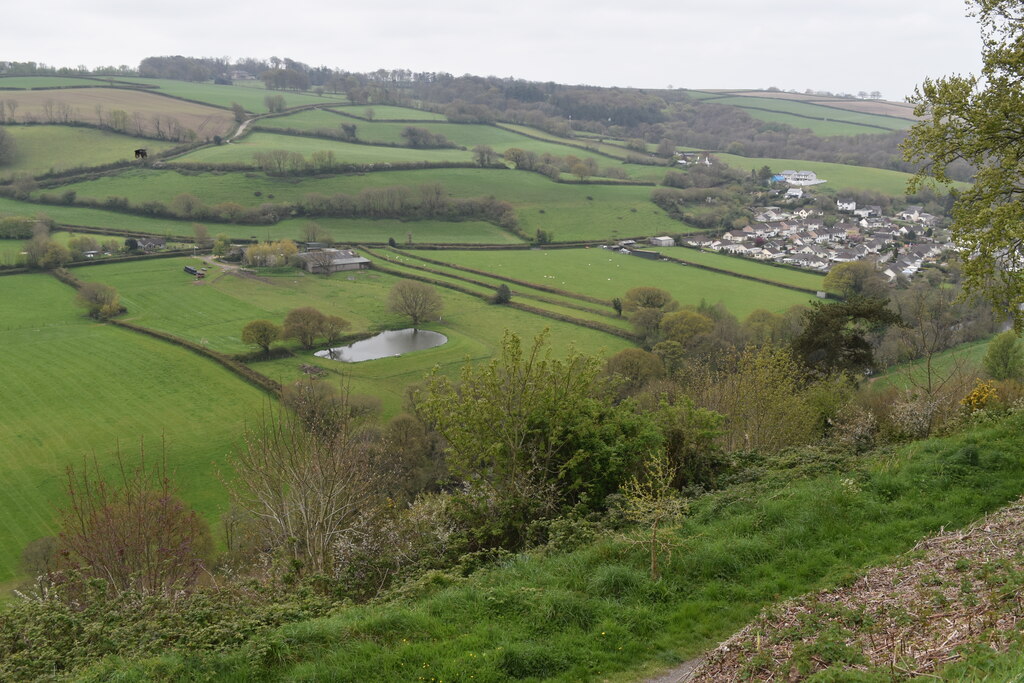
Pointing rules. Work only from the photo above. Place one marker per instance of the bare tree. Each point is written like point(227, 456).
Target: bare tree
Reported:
point(417, 300)
point(135, 533)
point(310, 490)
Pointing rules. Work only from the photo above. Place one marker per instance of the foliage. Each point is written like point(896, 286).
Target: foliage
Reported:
point(8, 148)
point(271, 254)
point(261, 333)
point(651, 502)
point(502, 295)
point(977, 119)
point(1005, 357)
point(834, 335)
point(310, 487)
point(418, 300)
point(855, 278)
point(135, 534)
point(981, 397)
point(306, 324)
point(100, 300)
point(534, 434)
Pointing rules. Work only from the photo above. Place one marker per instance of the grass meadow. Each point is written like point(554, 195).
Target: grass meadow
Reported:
point(96, 218)
point(78, 148)
point(569, 211)
point(607, 274)
point(225, 95)
point(806, 114)
point(213, 311)
point(594, 614)
point(242, 150)
point(746, 266)
point(11, 250)
point(384, 112)
point(76, 389)
point(29, 82)
point(839, 176)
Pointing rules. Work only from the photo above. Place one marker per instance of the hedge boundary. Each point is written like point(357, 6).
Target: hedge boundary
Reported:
point(590, 324)
point(743, 276)
point(521, 283)
point(249, 375)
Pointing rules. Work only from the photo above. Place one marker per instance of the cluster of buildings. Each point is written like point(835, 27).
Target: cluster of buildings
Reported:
point(898, 244)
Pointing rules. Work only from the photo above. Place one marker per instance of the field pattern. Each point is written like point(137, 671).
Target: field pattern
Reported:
point(608, 274)
point(213, 311)
point(75, 389)
point(251, 98)
point(79, 148)
point(86, 104)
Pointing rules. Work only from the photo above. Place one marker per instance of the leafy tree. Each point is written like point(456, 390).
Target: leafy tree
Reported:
point(649, 297)
point(333, 328)
point(634, 368)
point(1005, 357)
point(617, 305)
point(502, 295)
point(304, 324)
point(238, 111)
point(418, 300)
point(530, 434)
point(978, 120)
point(8, 150)
point(650, 502)
point(684, 326)
point(484, 155)
point(261, 333)
point(856, 278)
point(834, 335)
point(100, 300)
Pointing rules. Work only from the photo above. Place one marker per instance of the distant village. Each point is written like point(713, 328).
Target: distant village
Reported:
point(898, 244)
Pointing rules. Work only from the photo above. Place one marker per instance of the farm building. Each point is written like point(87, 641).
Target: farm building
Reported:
point(332, 261)
point(664, 241)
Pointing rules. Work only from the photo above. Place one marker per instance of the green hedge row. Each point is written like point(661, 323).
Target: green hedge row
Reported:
point(257, 379)
point(521, 283)
point(591, 324)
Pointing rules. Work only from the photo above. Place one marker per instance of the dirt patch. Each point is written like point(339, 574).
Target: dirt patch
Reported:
point(955, 590)
point(143, 110)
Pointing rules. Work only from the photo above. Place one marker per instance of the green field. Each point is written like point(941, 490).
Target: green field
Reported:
point(608, 274)
point(965, 358)
point(96, 218)
point(746, 266)
point(44, 149)
point(808, 115)
point(839, 176)
point(225, 95)
point(213, 311)
point(10, 250)
point(383, 112)
point(613, 211)
point(74, 389)
point(29, 82)
point(241, 151)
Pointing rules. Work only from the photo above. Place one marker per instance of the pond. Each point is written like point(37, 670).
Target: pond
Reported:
point(385, 345)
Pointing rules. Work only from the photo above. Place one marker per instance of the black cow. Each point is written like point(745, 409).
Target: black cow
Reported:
point(140, 153)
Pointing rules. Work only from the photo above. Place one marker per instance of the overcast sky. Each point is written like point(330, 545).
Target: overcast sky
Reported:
point(835, 45)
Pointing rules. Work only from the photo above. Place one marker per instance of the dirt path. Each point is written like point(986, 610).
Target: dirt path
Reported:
point(680, 674)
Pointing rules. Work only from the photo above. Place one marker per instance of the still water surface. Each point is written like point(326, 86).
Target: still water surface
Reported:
point(385, 345)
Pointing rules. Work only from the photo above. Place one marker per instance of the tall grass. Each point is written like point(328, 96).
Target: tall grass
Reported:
point(594, 614)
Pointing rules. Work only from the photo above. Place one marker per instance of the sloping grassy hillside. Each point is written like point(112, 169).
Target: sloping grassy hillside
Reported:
point(807, 521)
point(75, 389)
